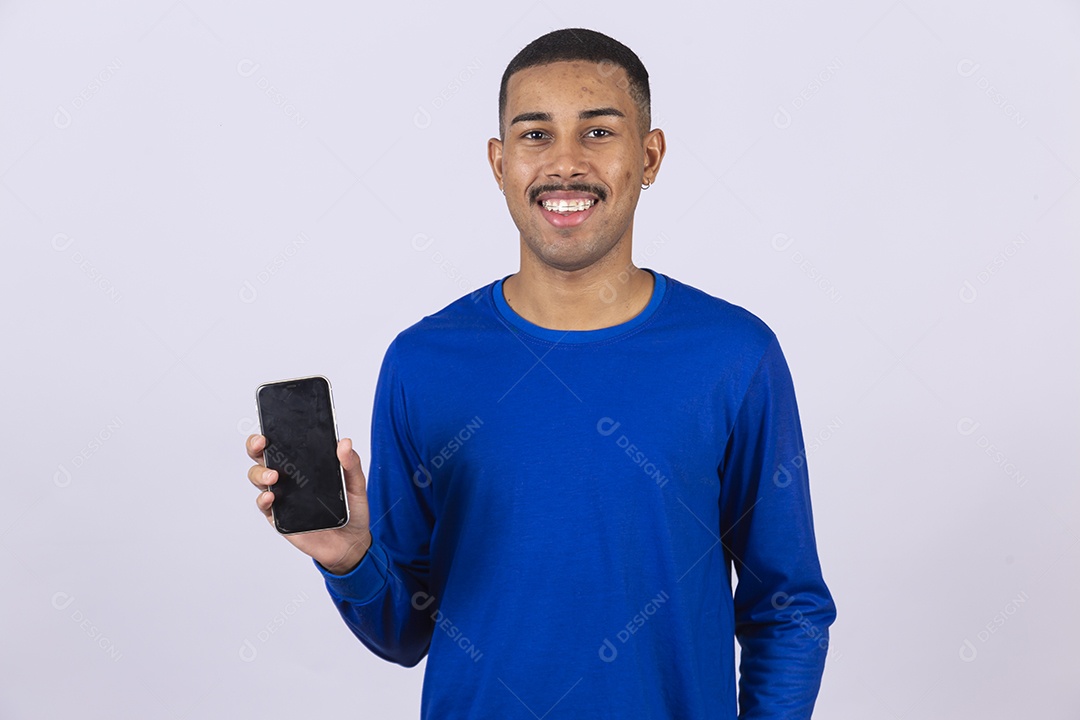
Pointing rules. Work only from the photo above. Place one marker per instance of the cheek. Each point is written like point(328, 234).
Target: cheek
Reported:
point(521, 172)
point(619, 171)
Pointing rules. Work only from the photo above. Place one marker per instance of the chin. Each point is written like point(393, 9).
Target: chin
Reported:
point(569, 259)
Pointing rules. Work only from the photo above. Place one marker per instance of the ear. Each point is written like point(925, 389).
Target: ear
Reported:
point(494, 149)
point(655, 146)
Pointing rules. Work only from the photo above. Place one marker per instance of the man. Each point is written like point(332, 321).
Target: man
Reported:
point(567, 463)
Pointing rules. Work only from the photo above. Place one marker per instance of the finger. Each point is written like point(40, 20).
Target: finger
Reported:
point(263, 501)
point(255, 446)
point(350, 463)
point(260, 477)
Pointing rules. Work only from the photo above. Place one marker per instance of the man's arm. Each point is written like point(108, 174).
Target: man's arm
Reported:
point(384, 599)
point(783, 609)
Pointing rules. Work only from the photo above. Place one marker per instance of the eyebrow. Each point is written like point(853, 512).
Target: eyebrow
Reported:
point(600, 112)
point(583, 115)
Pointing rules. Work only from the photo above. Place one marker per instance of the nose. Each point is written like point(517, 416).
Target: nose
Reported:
point(566, 159)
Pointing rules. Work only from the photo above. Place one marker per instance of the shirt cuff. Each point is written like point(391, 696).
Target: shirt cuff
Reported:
point(364, 582)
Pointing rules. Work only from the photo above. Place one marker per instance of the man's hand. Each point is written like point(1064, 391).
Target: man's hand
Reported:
point(339, 550)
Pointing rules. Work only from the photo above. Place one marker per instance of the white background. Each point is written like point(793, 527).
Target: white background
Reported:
point(196, 198)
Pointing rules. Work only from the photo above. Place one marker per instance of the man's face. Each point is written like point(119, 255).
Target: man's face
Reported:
point(572, 160)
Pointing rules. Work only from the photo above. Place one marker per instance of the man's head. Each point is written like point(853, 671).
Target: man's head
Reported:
point(575, 148)
point(608, 54)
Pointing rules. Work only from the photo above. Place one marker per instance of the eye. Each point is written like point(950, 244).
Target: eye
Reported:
point(603, 133)
point(533, 135)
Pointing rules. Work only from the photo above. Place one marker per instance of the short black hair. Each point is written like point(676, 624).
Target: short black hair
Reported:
point(581, 44)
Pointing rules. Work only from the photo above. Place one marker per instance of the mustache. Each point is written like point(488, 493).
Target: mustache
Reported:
point(572, 187)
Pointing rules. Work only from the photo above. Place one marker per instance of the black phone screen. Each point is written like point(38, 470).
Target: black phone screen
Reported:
point(297, 418)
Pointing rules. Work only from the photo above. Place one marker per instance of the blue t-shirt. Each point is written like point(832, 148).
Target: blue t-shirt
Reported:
point(556, 514)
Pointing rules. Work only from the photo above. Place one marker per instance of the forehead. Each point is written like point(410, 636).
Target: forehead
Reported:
point(579, 82)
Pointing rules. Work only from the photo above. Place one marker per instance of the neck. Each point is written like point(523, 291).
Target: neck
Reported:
point(606, 293)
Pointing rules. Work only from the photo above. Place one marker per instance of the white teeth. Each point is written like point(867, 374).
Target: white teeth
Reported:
point(567, 205)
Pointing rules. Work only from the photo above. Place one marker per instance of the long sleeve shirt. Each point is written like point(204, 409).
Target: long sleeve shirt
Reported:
point(556, 516)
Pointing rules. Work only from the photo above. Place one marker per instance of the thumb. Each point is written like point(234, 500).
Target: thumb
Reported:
point(355, 482)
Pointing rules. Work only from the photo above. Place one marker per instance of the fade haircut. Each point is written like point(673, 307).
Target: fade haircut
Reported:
point(581, 44)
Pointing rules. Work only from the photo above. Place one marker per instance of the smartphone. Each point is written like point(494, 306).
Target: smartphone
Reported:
point(297, 418)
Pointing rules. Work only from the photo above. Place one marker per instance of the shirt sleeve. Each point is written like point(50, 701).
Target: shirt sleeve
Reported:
point(385, 600)
point(783, 609)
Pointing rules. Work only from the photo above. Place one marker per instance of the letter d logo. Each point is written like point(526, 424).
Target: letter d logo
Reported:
point(248, 293)
point(782, 477)
point(416, 477)
point(61, 242)
point(246, 68)
point(248, 652)
point(782, 119)
point(781, 241)
point(62, 119)
point(966, 426)
point(607, 293)
point(422, 119)
point(966, 68)
point(61, 600)
point(62, 477)
point(421, 600)
point(781, 604)
point(968, 293)
point(606, 426)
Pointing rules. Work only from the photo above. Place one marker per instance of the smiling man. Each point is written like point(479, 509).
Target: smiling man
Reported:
point(574, 153)
point(569, 462)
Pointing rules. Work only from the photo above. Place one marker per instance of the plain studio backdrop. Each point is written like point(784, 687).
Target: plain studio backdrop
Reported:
point(197, 198)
